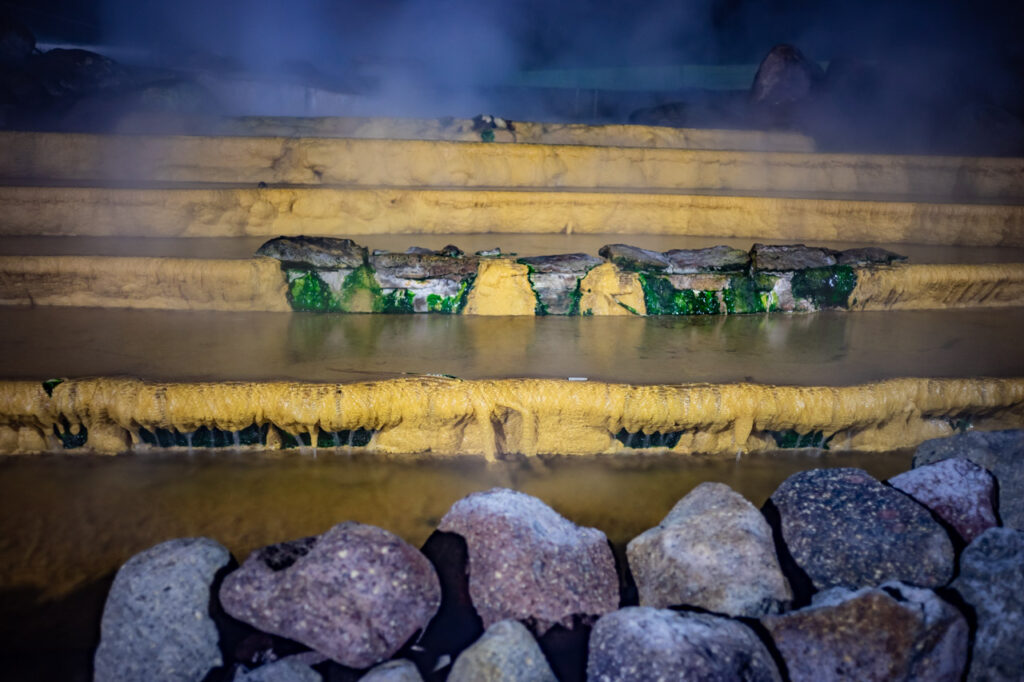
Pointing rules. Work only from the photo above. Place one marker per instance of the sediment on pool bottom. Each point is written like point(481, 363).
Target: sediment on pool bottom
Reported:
point(496, 418)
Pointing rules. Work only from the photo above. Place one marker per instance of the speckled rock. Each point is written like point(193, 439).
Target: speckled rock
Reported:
point(713, 550)
point(784, 78)
point(156, 622)
point(526, 562)
point(844, 528)
point(506, 652)
point(786, 257)
point(868, 255)
point(423, 265)
point(991, 580)
point(356, 593)
point(286, 670)
point(714, 259)
point(957, 490)
point(896, 632)
point(633, 257)
point(556, 278)
point(326, 253)
point(393, 671)
point(1001, 452)
point(639, 643)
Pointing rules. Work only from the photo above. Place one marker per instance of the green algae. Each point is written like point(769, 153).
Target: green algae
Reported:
point(398, 301)
point(451, 305)
point(69, 440)
point(360, 291)
point(662, 298)
point(790, 439)
point(750, 294)
point(50, 384)
point(825, 287)
point(309, 293)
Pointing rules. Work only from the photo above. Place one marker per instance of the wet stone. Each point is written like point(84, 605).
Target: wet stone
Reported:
point(634, 258)
point(788, 257)
point(715, 551)
point(324, 253)
point(714, 259)
point(506, 652)
point(991, 581)
point(1001, 452)
point(423, 265)
point(896, 632)
point(870, 255)
point(526, 562)
point(555, 279)
point(156, 622)
point(844, 528)
point(286, 670)
point(356, 596)
point(957, 490)
point(642, 643)
point(393, 671)
point(784, 78)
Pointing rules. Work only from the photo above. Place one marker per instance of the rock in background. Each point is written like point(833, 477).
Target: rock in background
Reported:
point(357, 593)
point(641, 643)
point(958, 491)
point(896, 632)
point(156, 622)
point(507, 652)
point(714, 550)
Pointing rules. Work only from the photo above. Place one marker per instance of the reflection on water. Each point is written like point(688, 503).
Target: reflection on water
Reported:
point(67, 521)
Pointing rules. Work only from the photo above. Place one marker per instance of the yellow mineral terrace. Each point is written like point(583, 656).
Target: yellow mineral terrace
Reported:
point(497, 418)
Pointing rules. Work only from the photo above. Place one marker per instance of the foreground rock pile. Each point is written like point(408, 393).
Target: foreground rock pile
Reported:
point(839, 576)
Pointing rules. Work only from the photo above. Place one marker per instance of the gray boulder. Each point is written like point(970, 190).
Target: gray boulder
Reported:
point(896, 632)
point(785, 257)
point(991, 580)
point(713, 550)
point(288, 669)
point(634, 258)
point(528, 562)
point(714, 259)
point(423, 265)
point(957, 490)
point(868, 255)
point(1001, 452)
point(844, 528)
point(156, 623)
point(325, 253)
point(639, 644)
point(555, 278)
point(356, 594)
point(506, 652)
point(393, 671)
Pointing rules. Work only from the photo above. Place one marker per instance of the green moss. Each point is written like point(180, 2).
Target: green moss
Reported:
point(790, 439)
point(662, 298)
point(50, 384)
point(309, 293)
point(487, 135)
point(825, 287)
point(450, 305)
point(398, 301)
point(750, 294)
point(360, 291)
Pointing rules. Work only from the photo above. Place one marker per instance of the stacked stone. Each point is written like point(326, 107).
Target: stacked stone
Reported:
point(838, 576)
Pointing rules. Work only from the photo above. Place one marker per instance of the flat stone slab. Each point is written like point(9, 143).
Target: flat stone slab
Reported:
point(714, 550)
point(868, 255)
point(844, 528)
point(325, 253)
point(713, 259)
point(506, 652)
point(356, 594)
point(1001, 452)
point(634, 258)
point(642, 643)
point(527, 562)
point(991, 581)
point(785, 257)
point(156, 621)
point(957, 490)
point(896, 632)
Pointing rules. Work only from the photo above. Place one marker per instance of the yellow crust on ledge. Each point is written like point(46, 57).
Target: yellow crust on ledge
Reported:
point(417, 163)
point(494, 418)
point(607, 290)
point(64, 211)
point(502, 287)
point(254, 284)
point(919, 287)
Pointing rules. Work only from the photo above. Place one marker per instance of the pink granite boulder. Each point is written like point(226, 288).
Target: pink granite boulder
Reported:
point(357, 593)
point(528, 563)
point(959, 491)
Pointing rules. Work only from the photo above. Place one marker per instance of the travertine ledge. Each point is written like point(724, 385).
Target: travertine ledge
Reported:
point(497, 418)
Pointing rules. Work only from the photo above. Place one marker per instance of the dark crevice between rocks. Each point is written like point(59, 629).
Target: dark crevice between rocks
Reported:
point(69, 439)
point(803, 587)
point(282, 555)
point(762, 633)
point(792, 439)
point(240, 643)
point(332, 671)
point(951, 596)
point(655, 439)
point(566, 649)
point(457, 624)
point(204, 437)
point(351, 438)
